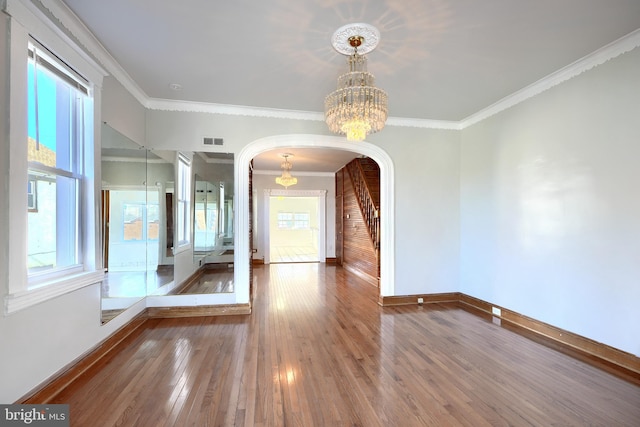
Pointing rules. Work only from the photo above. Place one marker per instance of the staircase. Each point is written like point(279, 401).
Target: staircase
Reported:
point(364, 174)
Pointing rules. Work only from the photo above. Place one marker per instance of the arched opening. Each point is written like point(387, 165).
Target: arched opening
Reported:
point(387, 239)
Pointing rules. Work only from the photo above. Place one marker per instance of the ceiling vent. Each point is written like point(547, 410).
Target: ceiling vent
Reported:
point(212, 141)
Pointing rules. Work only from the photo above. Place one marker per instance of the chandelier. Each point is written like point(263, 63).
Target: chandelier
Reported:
point(356, 108)
point(286, 179)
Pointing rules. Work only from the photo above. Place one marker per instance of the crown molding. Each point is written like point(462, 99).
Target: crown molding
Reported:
point(92, 45)
point(233, 110)
point(612, 50)
point(83, 35)
point(423, 123)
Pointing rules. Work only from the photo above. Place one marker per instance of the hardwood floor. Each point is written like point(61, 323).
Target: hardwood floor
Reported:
point(318, 351)
point(212, 282)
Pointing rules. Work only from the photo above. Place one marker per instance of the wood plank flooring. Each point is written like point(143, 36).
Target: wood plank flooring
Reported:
point(212, 282)
point(319, 351)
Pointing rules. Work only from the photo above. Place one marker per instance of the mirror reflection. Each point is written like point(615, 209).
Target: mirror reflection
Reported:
point(137, 212)
point(213, 229)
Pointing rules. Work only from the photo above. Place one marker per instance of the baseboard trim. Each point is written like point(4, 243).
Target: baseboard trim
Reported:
point(72, 371)
point(625, 363)
point(198, 311)
point(257, 261)
point(331, 261)
point(47, 391)
point(621, 363)
point(413, 299)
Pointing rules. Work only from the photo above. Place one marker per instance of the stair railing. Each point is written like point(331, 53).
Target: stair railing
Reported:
point(370, 212)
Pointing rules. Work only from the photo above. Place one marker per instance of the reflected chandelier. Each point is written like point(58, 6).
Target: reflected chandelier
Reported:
point(286, 180)
point(356, 108)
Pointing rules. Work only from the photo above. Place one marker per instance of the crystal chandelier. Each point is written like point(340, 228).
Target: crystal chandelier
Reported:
point(356, 108)
point(286, 180)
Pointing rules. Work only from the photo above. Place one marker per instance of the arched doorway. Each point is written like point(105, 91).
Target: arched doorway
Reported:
point(387, 242)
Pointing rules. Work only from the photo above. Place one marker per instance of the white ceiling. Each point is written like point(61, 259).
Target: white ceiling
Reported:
point(437, 59)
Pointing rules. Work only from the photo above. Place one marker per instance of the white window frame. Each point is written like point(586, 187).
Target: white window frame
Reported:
point(68, 242)
point(183, 203)
point(28, 22)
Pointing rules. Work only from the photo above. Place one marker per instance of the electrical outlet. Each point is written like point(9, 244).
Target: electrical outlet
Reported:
point(496, 311)
point(420, 300)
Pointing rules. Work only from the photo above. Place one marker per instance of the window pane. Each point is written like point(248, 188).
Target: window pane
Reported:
point(153, 222)
point(52, 107)
point(132, 216)
point(52, 230)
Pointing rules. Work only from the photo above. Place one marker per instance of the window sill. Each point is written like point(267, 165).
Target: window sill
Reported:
point(182, 248)
point(52, 289)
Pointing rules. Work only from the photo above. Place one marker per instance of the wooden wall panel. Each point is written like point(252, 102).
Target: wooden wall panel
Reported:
point(358, 250)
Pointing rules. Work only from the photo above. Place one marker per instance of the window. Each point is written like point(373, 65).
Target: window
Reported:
point(183, 193)
point(301, 220)
point(56, 107)
point(285, 219)
point(52, 189)
point(292, 220)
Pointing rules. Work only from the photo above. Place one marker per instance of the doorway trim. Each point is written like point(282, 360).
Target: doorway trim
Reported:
point(321, 195)
point(242, 254)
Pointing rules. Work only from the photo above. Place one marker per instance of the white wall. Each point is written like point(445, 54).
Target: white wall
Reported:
point(550, 206)
point(427, 198)
point(122, 111)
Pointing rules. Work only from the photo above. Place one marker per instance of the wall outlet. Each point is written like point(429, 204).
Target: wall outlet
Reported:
point(420, 300)
point(496, 311)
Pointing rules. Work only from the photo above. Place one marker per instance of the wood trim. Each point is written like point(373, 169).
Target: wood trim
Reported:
point(413, 299)
point(257, 261)
point(189, 281)
point(604, 356)
point(49, 390)
point(607, 357)
point(200, 310)
point(331, 261)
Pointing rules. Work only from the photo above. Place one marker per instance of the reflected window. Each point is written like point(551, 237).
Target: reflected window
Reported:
point(153, 221)
point(138, 218)
point(183, 199)
point(132, 215)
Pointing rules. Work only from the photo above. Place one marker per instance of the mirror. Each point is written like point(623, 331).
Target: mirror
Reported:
point(136, 228)
point(205, 218)
point(212, 223)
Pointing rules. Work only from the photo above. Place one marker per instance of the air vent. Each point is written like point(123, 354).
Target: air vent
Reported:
point(212, 141)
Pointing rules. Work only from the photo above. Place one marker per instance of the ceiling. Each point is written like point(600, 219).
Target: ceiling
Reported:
point(437, 59)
